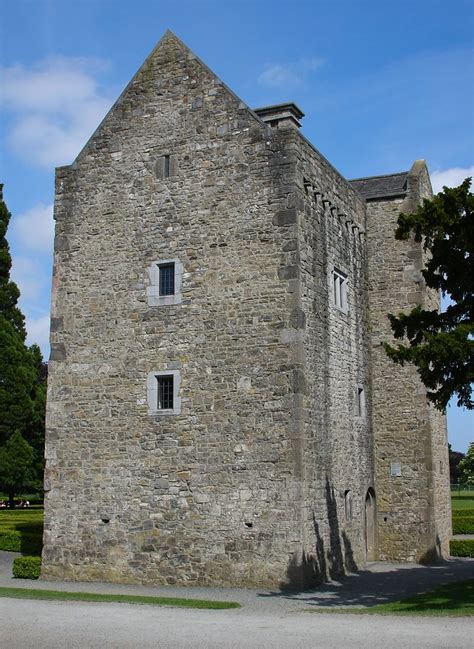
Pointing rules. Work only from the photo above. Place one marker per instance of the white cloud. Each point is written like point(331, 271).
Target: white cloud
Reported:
point(38, 332)
point(33, 279)
point(55, 106)
point(30, 276)
point(450, 177)
point(290, 75)
point(34, 229)
point(279, 76)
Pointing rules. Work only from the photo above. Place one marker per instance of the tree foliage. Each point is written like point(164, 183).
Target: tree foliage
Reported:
point(441, 345)
point(22, 373)
point(454, 459)
point(9, 292)
point(17, 466)
point(466, 467)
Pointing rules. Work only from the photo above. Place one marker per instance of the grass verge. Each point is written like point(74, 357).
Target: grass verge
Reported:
point(450, 600)
point(37, 593)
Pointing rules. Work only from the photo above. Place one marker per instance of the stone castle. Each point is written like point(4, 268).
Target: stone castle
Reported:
point(221, 410)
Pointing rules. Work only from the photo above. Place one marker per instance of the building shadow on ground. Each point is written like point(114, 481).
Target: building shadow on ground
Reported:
point(380, 583)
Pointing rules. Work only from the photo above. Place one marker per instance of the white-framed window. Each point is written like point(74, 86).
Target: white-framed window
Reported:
point(360, 402)
point(162, 391)
point(339, 289)
point(165, 277)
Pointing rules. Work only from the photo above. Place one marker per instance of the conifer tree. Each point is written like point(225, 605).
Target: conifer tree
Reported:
point(9, 292)
point(22, 386)
point(441, 345)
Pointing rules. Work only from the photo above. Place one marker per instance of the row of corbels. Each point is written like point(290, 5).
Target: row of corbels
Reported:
point(319, 198)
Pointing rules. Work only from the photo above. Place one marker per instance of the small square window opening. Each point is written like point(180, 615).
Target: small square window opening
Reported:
point(162, 392)
point(166, 279)
point(166, 282)
point(165, 392)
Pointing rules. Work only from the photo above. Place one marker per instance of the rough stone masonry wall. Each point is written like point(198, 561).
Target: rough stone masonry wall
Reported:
point(333, 347)
point(414, 507)
point(211, 495)
point(340, 451)
point(441, 514)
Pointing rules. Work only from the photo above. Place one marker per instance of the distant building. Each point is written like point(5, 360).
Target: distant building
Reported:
point(221, 409)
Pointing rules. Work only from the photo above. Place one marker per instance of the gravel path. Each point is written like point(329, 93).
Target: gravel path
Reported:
point(79, 625)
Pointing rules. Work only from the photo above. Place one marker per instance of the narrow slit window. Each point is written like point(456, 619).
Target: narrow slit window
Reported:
point(348, 505)
point(339, 281)
point(165, 392)
point(360, 402)
point(166, 166)
point(167, 279)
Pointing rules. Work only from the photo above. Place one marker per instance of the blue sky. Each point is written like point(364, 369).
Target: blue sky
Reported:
point(382, 83)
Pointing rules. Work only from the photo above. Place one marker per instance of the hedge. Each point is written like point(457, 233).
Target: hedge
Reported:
point(27, 567)
point(13, 541)
point(461, 513)
point(463, 525)
point(462, 548)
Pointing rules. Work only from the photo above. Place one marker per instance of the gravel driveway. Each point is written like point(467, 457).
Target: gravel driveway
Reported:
point(267, 618)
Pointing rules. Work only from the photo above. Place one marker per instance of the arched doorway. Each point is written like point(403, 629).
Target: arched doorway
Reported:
point(370, 531)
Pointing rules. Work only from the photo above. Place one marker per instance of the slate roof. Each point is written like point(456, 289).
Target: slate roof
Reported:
point(377, 187)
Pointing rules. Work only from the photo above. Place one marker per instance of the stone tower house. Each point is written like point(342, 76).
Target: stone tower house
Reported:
point(220, 408)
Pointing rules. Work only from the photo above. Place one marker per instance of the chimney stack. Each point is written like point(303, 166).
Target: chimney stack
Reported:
point(281, 115)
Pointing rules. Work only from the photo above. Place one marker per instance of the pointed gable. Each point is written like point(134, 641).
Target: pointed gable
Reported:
point(153, 91)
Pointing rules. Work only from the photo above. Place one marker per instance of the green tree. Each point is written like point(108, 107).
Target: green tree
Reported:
point(441, 345)
point(17, 470)
point(466, 467)
point(9, 292)
point(22, 376)
point(454, 458)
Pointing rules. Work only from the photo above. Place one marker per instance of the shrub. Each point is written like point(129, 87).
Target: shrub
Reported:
point(10, 541)
point(27, 567)
point(463, 525)
point(462, 548)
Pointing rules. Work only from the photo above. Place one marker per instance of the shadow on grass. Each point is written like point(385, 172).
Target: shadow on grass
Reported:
point(31, 537)
point(25, 529)
point(457, 599)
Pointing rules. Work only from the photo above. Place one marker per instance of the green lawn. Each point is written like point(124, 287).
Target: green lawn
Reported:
point(26, 520)
point(36, 593)
point(454, 600)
